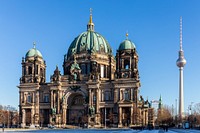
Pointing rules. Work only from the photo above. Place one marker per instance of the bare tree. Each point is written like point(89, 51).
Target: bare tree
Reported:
point(194, 118)
point(164, 116)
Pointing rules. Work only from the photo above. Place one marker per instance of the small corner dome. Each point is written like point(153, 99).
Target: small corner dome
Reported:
point(33, 53)
point(126, 44)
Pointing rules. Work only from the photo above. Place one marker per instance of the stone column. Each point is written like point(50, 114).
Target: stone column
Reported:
point(121, 94)
point(102, 94)
point(64, 115)
point(26, 70)
point(122, 64)
point(23, 71)
point(38, 69)
point(132, 94)
point(97, 107)
point(32, 116)
point(146, 117)
point(20, 98)
point(106, 76)
point(90, 97)
point(58, 102)
point(25, 98)
point(23, 124)
point(97, 100)
point(120, 117)
point(37, 108)
point(51, 98)
point(33, 97)
point(115, 95)
point(132, 115)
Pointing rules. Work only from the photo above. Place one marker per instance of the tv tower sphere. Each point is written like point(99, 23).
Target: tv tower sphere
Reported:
point(181, 60)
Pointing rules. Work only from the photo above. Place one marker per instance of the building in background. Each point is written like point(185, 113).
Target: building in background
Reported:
point(96, 88)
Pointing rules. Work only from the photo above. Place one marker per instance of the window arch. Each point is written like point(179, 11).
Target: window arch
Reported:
point(126, 64)
point(29, 70)
point(29, 98)
point(41, 72)
point(126, 95)
point(83, 69)
point(107, 96)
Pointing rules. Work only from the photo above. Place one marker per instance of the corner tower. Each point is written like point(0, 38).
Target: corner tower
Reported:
point(33, 67)
point(127, 83)
point(181, 63)
point(127, 60)
point(32, 79)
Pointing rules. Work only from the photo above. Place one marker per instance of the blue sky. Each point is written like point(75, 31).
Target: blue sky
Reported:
point(152, 25)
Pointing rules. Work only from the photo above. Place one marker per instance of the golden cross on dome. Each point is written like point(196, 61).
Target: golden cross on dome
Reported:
point(34, 44)
point(127, 34)
point(90, 11)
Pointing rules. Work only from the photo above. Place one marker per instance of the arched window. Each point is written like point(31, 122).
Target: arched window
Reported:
point(127, 67)
point(83, 69)
point(29, 98)
point(88, 69)
point(94, 99)
point(41, 72)
point(46, 98)
point(102, 71)
point(29, 70)
point(36, 69)
point(126, 64)
point(126, 95)
point(24, 69)
point(107, 95)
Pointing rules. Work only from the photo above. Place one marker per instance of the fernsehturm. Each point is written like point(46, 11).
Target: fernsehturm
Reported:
point(181, 63)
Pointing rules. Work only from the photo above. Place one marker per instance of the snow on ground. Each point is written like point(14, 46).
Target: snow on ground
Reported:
point(185, 131)
point(170, 131)
point(101, 131)
point(149, 131)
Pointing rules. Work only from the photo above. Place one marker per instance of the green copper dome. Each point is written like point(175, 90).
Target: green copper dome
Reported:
point(33, 52)
point(91, 42)
point(126, 44)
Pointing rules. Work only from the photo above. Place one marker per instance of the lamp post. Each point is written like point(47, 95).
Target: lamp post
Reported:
point(8, 109)
point(105, 117)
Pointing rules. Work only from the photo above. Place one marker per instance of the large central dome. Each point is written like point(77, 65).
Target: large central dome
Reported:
point(89, 42)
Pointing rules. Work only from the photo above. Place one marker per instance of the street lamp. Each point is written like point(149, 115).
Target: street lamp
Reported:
point(8, 109)
point(105, 117)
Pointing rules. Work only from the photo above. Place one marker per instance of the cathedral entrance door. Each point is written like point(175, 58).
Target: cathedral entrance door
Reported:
point(76, 110)
point(28, 117)
point(126, 113)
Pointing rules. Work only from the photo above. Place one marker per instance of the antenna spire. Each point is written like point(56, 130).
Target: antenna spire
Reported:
point(91, 11)
point(181, 47)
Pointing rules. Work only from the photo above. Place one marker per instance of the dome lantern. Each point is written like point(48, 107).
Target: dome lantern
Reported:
point(90, 25)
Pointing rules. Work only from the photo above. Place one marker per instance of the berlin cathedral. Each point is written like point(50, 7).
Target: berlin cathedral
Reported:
point(96, 89)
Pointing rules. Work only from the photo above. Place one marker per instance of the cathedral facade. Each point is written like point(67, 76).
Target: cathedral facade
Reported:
point(96, 88)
